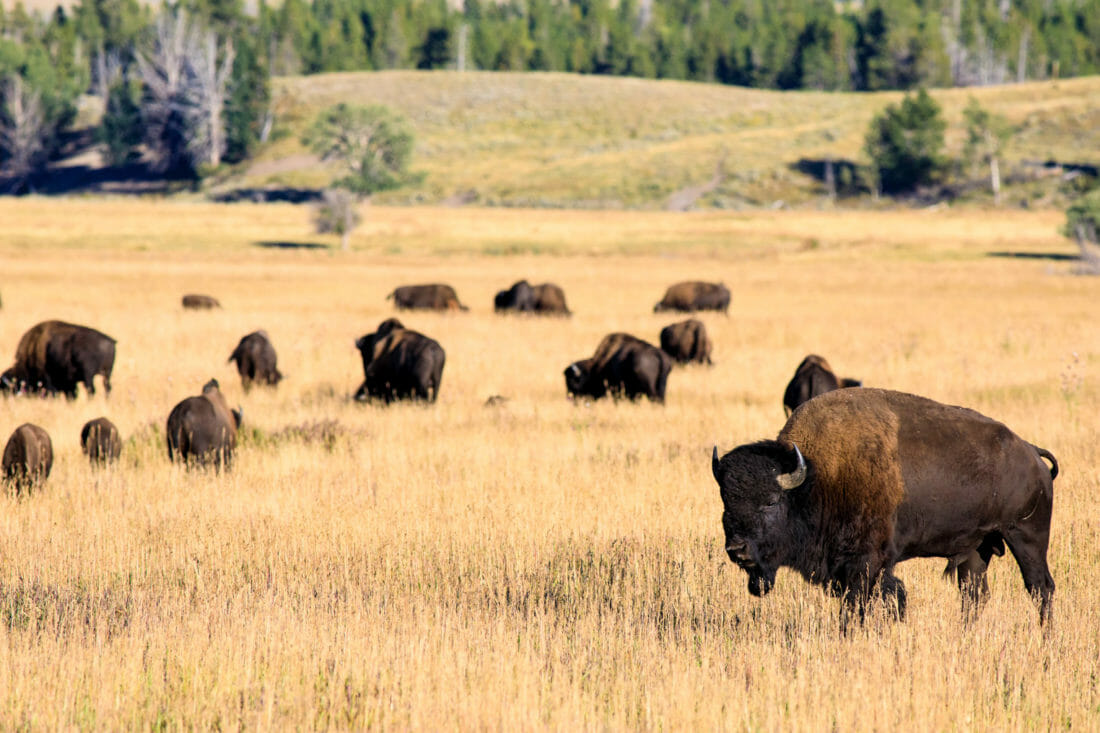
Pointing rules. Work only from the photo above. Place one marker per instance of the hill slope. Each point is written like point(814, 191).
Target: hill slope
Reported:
point(587, 141)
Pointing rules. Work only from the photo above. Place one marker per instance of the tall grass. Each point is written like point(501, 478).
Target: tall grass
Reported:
point(535, 564)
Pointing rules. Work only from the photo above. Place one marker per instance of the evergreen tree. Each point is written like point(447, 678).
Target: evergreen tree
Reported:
point(904, 144)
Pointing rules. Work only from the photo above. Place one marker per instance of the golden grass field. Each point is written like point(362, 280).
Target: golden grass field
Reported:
point(539, 564)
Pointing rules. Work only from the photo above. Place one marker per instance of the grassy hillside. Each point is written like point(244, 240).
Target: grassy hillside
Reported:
point(604, 142)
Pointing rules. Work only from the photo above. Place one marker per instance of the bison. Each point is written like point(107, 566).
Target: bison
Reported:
point(399, 363)
point(100, 441)
point(695, 296)
point(54, 356)
point(686, 342)
point(862, 479)
point(255, 357)
point(623, 366)
point(200, 302)
point(546, 298)
point(814, 376)
point(202, 430)
point(426, 297)
point(28, 457)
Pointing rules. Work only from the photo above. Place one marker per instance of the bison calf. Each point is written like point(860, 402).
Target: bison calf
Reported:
point(686, 342)
point(623, 366)
point(100, 441)
point(255, 357)
point(426, 297)
point(399, 363)
point(862, 479)
point(813, 377)
point(202, 430)
point(28, 457)
point(695, 296)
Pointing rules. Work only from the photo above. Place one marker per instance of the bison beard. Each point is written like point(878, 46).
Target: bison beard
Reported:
point(860, 480)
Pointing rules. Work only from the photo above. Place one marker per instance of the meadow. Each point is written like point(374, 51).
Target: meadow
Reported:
point(539, 563)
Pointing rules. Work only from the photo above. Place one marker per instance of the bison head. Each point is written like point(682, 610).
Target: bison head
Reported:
point(577, 378)
point(756, 482)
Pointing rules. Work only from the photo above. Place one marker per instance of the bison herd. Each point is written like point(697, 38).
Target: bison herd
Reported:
point(857, 481)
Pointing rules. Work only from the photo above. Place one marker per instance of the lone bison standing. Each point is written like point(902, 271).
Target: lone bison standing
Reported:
point(255, 357)
point(686, 342)
point(426, 297)
point(622, 366)
point(546, 298)
point(695, 296)
point(813, 377)
point(28, 457)
point(54, 356)
point(202, 430)
point(862, 479)
point(100, 441)
point(399, 363)
point(194, 301)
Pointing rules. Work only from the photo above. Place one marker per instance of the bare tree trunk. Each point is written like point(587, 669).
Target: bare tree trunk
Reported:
point(22, 129)
point(995, 179)
point(210, 90)
point(1021, 60)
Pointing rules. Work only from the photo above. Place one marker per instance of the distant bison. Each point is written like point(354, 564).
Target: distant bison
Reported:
point(426, 297)
point(255, 357)
point(28, 457)
point(202, 430)
point(859, 480)
point(200, 302)
point(100, 441)
point(55, 356)
point(686, 342)
point(546, 298)
point(695, 296)
point(813, 377)
point(623, 366)
point(399, 363)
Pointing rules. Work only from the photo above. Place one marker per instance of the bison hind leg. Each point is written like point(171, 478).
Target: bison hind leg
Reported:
point(1029, 547)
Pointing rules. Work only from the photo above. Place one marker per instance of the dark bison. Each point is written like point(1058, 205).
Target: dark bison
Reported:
point(546, 298)
point(695, 296)
point(200, 302)
point(28, 457)
point(100, 441)
point(426, 297)
point(814, 376)
point(399, 363)
point(686, 342)
point(55, 356)
point(255, 357)
point(202, 430)
point(862, 479)
point(623, 366)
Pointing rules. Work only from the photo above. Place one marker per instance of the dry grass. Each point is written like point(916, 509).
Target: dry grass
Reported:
point(537, 564)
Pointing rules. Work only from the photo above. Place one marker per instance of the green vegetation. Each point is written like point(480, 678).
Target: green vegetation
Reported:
point(372, 144)
point(905, 144)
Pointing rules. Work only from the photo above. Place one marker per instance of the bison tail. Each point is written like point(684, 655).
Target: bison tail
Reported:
point(1044, 453)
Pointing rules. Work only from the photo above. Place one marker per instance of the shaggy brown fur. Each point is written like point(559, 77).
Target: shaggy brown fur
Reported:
point(54, 356)
point(199, 302)
point(687, 341)
point(203, 430)
point(426, 297)
point(256, 359)
point(622, 366)
point(100, 441)
point(813, 377)
point(28, 457)
point(695, 296)
point(399, 363)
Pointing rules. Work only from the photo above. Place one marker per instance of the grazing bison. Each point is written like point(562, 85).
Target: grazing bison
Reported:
point(622, 366)
point(546, 298)
point(426, 297)
point(202, 430)
point(54, 356)
point(862, 479)
point(695, 296)
point(255, 357)
point(28, 457)
point(814, 376)
point(100, 441)
point(399, 363)
point(686, 342)
point(200, 302)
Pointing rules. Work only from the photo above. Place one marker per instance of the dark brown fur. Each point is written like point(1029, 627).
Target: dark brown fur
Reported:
point(202, 430)
point(687, 341)
point(54, 356)
point(693, 296)
point(256, 359)
point(100, 441)
point(28, 457)
point(200, 302)
point(813, 377)
point(426, 297)
point(399, 363)
point(623, 366)
point(547, 298)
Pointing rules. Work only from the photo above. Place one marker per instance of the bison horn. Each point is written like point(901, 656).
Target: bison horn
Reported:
point(794, 479)
point(714, 465)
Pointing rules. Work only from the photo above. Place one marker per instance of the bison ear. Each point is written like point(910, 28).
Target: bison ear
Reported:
point(714, 465)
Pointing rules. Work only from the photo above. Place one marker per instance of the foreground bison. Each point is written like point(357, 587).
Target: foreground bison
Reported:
point(426, 297)
point(686, 342)
point(100, 441)
point(623, 366)
point(695, 296)
point(195, 301)
point(524, 297)
point(28, 457)
point(54, 356)
point(862, 479)
point(255, 357)
point(399, 363)
point(202, 430)
point(813, 377)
